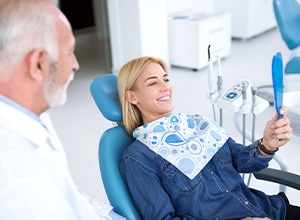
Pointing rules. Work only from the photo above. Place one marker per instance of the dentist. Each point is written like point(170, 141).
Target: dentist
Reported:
point(37, 63)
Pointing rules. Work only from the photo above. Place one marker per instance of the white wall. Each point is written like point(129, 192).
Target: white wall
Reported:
point(140, 27)
point(137, 28)
point(205, 6)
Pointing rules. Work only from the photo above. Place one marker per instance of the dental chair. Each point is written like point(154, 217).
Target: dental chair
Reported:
point(115, 140)
point(113, 143)
point(287, 14)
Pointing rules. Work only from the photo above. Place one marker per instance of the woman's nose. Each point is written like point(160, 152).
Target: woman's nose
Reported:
point(165, 86)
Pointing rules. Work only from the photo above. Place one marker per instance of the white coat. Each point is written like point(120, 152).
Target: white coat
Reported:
point(35, 182)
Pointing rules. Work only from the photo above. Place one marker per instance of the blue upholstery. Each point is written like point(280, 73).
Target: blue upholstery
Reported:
point(105, 93)
point(293, 66)
point(287, 13)
point(113, 143)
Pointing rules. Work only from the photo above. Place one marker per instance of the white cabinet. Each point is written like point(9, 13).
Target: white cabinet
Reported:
point(189, 38)
point(249, 17)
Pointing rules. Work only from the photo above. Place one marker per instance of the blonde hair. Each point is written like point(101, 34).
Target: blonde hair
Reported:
point(127, 77)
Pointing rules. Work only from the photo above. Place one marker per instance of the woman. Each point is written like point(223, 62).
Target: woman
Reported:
point(187, 167)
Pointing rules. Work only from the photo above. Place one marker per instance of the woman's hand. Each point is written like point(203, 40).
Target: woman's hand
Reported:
point(277, 131)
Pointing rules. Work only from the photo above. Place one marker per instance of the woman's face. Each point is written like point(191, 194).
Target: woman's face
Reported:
point(152, 93)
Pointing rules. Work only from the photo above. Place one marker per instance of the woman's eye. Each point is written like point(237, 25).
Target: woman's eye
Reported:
point(167, 80)
point(152, 83)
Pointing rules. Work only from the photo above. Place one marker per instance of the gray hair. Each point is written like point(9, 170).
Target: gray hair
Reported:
point(24, 26)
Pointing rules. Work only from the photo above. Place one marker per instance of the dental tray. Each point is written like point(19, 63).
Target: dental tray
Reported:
point(292, 101)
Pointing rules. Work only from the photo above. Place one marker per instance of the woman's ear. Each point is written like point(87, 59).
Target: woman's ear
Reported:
point(130, 96)
point(39, 64)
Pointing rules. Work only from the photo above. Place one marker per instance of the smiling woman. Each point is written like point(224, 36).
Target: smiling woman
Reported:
point(152, 93)
point(187, 166)
point(144, 84)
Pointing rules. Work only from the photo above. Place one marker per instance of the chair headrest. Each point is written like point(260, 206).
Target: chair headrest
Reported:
point(287, 14)
point(104, 90)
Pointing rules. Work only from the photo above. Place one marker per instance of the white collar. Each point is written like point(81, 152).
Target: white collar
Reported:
point(24, 125)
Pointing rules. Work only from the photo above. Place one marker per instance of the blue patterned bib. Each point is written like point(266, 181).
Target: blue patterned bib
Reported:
point(187, 142)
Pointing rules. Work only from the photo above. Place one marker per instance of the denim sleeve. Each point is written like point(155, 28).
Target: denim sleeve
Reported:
point(150, 199)
point(247, 159)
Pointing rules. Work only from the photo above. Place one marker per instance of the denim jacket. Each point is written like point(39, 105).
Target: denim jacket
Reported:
point(160, 191)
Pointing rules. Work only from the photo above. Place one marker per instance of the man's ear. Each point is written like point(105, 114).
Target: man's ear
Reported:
point(130, 96)
point(39, 64)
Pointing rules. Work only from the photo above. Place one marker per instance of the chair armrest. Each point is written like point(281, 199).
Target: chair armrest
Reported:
point(279, 176)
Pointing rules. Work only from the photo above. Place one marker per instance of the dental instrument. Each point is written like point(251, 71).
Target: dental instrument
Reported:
point(254, 94)
point(211, 82)
point(214, 94)
point(210, 74)
point(220, 86)
point(220, 78)
point(244, 93)
point(277, 77)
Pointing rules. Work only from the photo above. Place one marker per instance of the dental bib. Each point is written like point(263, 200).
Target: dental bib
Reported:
point(186, 141)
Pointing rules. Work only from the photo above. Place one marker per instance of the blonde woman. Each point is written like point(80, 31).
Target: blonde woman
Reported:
point(187, 166)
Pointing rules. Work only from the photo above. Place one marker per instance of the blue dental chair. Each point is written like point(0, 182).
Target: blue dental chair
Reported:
point(287, 14)
point(115, 140)
point(113, 143)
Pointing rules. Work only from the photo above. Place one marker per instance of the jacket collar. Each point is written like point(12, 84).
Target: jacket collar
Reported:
point(24, 125)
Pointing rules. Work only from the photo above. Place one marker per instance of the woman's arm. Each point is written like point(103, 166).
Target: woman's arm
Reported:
point(247, 159)
point(253, 158)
